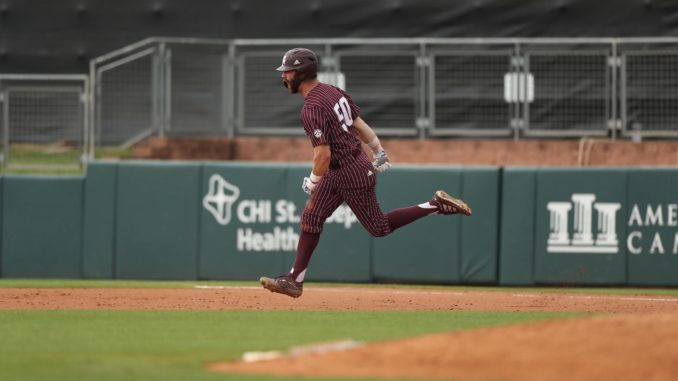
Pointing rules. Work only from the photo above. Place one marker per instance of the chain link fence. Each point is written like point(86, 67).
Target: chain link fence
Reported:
point(467, 93)
point(43, 121)
point(572, 90)
point(405, 87)
point(649, 92)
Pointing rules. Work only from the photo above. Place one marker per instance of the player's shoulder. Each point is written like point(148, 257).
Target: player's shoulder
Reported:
point(339, 93)
point(312, 111)
point(321, 97)
point(324, 91)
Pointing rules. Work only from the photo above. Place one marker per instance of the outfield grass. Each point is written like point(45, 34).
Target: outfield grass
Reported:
point(175, 345)
point(48, 158)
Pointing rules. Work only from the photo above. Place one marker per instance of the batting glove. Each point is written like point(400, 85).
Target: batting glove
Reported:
point(309, 184)
point(381, 162)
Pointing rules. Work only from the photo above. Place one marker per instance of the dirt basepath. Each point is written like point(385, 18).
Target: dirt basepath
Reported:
point(639, 342)
point(328, 298)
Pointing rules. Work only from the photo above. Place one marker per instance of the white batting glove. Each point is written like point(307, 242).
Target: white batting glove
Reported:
point(381, 162)
point(309, 183)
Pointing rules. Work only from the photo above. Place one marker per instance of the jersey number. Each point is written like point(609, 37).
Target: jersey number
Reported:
point(343, 111)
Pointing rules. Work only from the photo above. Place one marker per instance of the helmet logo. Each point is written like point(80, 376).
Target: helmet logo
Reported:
point(296, 62)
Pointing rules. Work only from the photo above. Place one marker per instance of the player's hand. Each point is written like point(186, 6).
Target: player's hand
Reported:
point(308, 185)
point(381, 162)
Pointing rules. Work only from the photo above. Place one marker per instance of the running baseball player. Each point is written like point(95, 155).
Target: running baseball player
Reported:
point(342, 171)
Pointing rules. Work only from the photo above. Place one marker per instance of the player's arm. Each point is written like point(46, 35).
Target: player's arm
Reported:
point(321, 162)
point(364, 132)
point(321, 159)
point(369, 137)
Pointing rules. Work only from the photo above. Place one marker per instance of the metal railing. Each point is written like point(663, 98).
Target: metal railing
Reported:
point(419, 87)
point(44, 121)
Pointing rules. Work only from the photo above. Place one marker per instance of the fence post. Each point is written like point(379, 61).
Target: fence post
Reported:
point(228, 91)
point(159, 89)
point(92, 123)
point(521, 111)
point(167, 89)
point(84, 114)
point(614, 62)
point(424, 118)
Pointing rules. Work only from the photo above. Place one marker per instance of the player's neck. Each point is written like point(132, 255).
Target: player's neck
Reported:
point(306, 86)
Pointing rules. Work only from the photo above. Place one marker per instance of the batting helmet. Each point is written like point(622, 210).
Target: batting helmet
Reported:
point(303, 61)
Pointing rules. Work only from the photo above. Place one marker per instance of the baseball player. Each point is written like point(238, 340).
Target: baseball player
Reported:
point(342, 171)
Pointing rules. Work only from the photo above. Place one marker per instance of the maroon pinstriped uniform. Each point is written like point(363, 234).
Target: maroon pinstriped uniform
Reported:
point(328, 116)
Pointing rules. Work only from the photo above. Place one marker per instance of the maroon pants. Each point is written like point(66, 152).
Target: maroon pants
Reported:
point(355, 185)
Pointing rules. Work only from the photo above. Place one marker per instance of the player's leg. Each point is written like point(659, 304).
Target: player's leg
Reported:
point(320, 206)
point(364, 204)
point(441, 203)
point(324, 201)
point(358, 189)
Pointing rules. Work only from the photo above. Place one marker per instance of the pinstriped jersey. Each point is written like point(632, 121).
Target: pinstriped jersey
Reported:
point(328, 116)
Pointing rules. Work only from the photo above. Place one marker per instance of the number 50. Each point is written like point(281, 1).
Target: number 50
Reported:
point(343, 111)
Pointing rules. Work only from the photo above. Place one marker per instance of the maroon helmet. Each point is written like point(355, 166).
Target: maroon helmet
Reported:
point(304, 62)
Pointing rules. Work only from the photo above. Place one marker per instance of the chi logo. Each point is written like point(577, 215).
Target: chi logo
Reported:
point(582, 239)
point(220, 198)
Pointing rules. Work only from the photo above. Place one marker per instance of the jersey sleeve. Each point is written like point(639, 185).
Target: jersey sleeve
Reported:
point(315, 124)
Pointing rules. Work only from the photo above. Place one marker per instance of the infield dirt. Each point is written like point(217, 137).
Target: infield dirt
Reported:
point(636, 338)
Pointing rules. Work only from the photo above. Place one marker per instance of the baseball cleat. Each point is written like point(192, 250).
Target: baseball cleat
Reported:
point(450, 205)
point(283, 284)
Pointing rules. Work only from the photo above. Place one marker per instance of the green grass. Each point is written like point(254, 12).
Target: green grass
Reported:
point(44, 154)
point(175, 345)
point(57, 159)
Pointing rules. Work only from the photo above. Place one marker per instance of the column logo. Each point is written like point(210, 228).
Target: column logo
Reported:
point(220, 198)
point(582, 239)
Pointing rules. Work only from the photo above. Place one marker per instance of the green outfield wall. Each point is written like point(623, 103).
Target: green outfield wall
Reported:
point(576, 241)
point(100, 198)
point(428, 250)
point(156, 228)
point(516, 238)
point(1, 219)
point(237, 221)
point(652, 227)
point(42, 226)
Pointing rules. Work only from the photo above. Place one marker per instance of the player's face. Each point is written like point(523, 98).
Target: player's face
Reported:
point(289, 82)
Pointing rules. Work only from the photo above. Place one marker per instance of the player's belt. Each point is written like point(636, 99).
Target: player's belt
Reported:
point(354, 154)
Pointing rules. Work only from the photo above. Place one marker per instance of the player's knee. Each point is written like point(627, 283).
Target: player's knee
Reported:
point(311, 222)
point(379, 232)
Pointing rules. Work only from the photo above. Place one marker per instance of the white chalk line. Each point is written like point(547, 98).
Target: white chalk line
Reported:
point(460, 293)
point(342, 290)
point(601, 297)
